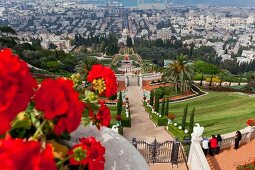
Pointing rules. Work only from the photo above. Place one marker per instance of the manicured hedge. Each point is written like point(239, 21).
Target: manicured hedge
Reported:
point(176, 132)
point(126, 121)
point(160, 121)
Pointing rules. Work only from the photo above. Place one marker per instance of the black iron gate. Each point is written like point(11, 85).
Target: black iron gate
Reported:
point(167, 152)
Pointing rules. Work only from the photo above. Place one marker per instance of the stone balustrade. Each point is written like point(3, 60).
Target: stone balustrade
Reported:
point(197, 159)
point(228, 140)
point(152, 76)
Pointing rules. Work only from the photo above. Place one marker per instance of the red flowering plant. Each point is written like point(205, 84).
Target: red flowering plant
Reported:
point(250, 122)
point(171, 116)
point(32, 114)
point(118, 117)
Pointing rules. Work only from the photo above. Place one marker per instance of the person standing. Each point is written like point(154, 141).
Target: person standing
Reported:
point(238, 138)
point(219, 140)
point(213, 145)
point(205, 145)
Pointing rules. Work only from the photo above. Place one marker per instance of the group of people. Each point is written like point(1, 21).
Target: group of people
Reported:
point(213, 145)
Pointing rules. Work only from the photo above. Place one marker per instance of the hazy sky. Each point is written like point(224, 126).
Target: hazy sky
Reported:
point(247, 3)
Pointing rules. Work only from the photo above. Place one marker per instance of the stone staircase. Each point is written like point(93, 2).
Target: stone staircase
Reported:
point(208, 158)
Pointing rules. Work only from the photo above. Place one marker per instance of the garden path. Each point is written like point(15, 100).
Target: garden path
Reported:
point(142, 127)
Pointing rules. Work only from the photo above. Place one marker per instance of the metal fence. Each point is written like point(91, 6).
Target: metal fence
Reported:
point(167, 152)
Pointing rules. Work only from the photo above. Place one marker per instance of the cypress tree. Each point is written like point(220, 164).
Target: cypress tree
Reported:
point(163, 107)
point(191, 121)
point(167, 107)
point(157, 102)
point(119, 104)
point(184, 116)
point(152, 97)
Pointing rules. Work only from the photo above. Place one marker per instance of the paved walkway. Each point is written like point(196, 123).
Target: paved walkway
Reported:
point(229, 158)
point(141, 125)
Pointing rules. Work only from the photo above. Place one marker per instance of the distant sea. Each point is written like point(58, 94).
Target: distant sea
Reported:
point(236, 3)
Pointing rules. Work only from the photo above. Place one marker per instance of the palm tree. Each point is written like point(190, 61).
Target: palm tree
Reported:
point(180, 72)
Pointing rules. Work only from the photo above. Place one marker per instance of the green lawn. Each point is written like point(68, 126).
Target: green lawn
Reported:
point(218, 112)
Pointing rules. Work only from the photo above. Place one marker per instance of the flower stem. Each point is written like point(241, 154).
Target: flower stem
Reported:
point(63, 160)
point(39, 129)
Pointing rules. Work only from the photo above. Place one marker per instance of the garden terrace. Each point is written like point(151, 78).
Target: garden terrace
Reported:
point(223, 160)
point(218, 112)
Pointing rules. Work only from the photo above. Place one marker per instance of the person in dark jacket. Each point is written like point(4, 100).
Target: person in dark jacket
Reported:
point(219, 140)
point(238, 138)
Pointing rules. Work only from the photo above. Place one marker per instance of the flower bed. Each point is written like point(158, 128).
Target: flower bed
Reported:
point(247, 166)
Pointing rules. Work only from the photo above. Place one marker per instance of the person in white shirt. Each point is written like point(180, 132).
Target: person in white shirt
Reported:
point(205, 145)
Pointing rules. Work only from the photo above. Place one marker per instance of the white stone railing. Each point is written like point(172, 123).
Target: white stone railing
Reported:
point(197, 159)
point(152, 76)
point(228, 140)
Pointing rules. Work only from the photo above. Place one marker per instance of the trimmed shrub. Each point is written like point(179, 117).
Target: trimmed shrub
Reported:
point(163, 107)
point(152, 97)
point(126, 122)
point(160, 121)
point(167, 107)
point(157, 102)
point(191, 121)
point(119, 104)
point(184, 116)
point(176, 132)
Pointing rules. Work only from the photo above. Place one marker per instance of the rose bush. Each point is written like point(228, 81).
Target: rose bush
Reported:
point(53, 110)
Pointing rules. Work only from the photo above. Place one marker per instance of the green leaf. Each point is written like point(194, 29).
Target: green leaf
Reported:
point(24, 123)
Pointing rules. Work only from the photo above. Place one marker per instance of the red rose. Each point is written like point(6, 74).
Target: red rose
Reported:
point(89, 153)
point(59, 101)
point(103, 80)
point(19, 154)
point(16, 87)
point(103, 116)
